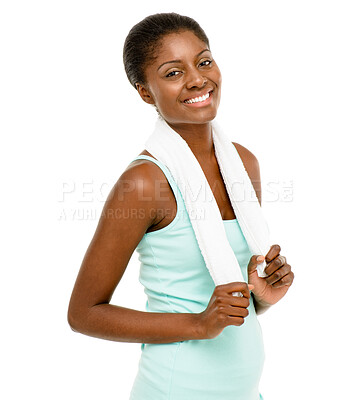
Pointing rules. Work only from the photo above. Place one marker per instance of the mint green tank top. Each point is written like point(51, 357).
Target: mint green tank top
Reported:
point(176, 280)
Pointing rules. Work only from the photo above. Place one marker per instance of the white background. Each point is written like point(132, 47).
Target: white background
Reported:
point(70, 121)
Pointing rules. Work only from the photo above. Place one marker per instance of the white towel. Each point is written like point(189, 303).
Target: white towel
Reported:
point(167, 146)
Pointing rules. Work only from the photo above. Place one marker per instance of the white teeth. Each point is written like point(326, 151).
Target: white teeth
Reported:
point(198, 99)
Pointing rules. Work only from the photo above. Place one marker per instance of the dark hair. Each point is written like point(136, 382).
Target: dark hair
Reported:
point(145, 37)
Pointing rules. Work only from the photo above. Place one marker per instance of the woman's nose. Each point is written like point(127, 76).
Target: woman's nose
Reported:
point(195, 79)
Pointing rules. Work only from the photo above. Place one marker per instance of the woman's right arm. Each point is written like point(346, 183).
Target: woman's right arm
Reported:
point(130, 209)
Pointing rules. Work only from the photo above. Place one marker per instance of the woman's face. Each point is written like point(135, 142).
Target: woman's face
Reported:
point(183, 82)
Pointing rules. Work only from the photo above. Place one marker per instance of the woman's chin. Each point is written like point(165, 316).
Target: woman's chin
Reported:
point(198, 117)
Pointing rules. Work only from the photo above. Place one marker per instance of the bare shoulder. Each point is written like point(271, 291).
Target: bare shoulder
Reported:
point(137, 184)
point(248, 158)
point(252, 167)
point(140, 175)
point(146, 170)
point(140, 186)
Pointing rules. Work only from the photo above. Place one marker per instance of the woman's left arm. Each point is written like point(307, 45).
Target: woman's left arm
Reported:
point(271, 289)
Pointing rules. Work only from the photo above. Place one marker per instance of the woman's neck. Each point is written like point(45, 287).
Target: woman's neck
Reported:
point(198, 137)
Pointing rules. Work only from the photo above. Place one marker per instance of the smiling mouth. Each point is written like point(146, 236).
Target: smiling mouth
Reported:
point(198, 99)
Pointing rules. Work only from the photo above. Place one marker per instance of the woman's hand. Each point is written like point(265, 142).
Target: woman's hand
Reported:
point(271, 289)
point(224, 309)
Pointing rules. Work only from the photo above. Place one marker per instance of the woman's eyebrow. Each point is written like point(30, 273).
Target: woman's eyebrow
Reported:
point(178, 61)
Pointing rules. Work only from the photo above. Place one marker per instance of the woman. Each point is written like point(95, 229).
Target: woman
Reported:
point(198, 341)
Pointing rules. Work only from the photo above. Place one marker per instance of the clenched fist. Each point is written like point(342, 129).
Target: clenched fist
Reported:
point(225, 309)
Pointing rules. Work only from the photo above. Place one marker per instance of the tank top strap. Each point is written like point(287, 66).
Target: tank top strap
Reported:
point(172, 182)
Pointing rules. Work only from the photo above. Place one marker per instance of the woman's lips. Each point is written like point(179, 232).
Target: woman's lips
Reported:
point(199, 101)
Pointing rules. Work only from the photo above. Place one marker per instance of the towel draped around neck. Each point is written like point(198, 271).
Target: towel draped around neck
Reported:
point(167, 146)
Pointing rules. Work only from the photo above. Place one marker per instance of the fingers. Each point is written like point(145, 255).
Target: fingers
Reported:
point(287, 280)
point(279, 272)
point(234, 315)
point(225, 309)
point(275, 264)
point(232, 301)
point(231, 287)
point(237, 312)
point(231, 304)
point(254, 261)
point(237, 316)
point(231, 311)
point(273, 252)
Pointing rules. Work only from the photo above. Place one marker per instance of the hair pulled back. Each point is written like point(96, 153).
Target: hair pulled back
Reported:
point(145, 37)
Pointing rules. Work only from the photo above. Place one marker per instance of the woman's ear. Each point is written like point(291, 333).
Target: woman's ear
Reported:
point(145, 93)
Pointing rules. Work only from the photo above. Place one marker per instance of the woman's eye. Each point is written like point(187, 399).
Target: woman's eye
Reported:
point(206, 63)
point(172, 73)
